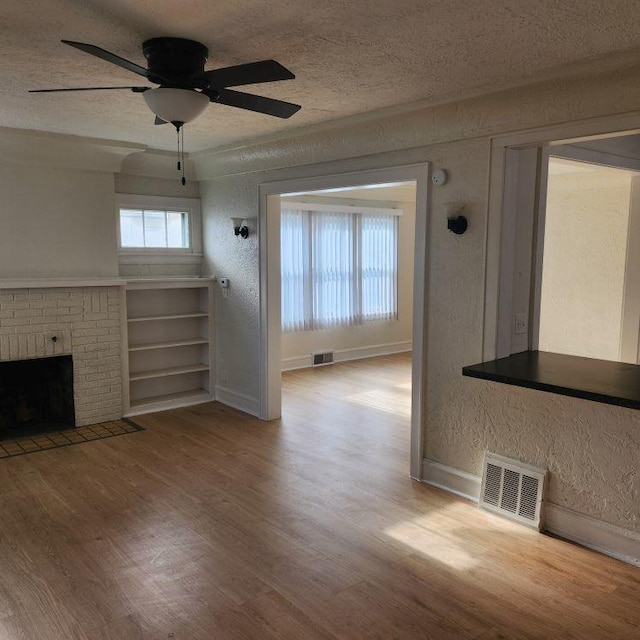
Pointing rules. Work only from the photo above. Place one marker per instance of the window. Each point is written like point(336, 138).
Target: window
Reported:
point(154, 229)
point(158, 229)
point(338, 268)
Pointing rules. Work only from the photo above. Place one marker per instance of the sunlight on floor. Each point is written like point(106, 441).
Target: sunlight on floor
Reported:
point(420, 534)
point(387, 401)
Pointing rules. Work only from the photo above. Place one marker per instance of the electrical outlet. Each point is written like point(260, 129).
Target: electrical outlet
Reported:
point(520, 323)
point(223, 375)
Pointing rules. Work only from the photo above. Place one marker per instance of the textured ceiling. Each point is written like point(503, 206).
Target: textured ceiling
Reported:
point(349, 56)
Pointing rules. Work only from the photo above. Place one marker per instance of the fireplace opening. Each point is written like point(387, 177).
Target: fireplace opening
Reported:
point(36, 396)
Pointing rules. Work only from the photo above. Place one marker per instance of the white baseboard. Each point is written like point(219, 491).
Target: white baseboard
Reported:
point(343, 355)
point(589, 532)
point(453, 480)
point(592, 533)
point(237, 400)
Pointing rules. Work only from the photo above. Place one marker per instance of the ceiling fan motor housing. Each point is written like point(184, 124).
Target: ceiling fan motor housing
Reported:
point(178, 60)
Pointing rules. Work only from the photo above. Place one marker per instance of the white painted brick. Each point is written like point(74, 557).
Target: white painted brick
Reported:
point(14, 349)
point(84, 325)
point(27, 313)
point(87, 322)
point(27, 296)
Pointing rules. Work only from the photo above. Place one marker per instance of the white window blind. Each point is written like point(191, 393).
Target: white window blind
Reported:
point(338, 268)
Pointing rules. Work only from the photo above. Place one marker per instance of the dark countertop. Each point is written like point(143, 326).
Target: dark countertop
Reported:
point(598, 380)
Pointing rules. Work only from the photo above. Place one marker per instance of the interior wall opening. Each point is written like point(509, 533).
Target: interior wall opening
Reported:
point(347, 265)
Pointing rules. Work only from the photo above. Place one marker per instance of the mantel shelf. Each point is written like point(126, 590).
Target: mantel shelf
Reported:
point(604, 381)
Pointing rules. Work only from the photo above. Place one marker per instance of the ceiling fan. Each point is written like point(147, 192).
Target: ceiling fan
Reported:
point(177, 65)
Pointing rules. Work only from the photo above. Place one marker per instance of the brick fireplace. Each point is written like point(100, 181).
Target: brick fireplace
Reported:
point(81, 321)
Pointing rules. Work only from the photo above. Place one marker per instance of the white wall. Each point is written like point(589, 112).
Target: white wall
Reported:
point(371, 338)
point(585, 246)
point(56, 222)
point(590, 449)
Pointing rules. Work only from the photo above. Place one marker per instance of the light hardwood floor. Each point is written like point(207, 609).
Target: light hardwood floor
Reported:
point(213, 525)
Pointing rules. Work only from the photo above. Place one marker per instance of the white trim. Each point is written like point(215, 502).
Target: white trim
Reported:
point(463, 484)
point(589, 532)
point(237, 400)
point(340, 208)
point(499, 271)
point(353, 353)
point(60, 283)
point(594, 534)
point(154, 255)
point(269, 248)
point(184, 282)
point(181, 256)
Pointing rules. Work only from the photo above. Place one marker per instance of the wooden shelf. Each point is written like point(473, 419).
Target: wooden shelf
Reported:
point(587, 378)
point(168, 344)
point(169, 371)
point(185, 397)
point(177, 316)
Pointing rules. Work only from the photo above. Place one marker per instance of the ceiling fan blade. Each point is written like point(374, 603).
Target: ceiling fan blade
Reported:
point(134, 89)
point(251, 73)
point(160, 121)
point(252, 102)
point(117, 60)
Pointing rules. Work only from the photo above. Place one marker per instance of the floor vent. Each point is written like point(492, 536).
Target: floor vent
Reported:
point(320, 359)
point(513, 489)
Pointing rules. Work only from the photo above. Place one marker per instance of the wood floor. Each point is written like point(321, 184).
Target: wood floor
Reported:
point(213, 525)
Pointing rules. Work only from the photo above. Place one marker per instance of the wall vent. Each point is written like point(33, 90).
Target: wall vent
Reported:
point(320, 359)
point(513, 489)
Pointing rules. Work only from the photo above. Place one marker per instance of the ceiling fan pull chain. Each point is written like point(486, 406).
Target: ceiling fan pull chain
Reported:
point(178, 137)
point(184, 180)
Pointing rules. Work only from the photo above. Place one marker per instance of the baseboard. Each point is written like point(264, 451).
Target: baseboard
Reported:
point(355, 353)
point(594, 534)
point(589, 532)
point(463, 484)
point(237, 400)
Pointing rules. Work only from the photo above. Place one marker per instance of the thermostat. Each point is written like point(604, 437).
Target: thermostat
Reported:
point(439, 177)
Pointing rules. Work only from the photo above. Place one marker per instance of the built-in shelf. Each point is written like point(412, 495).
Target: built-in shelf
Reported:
point(169, 371)
point(169, 400)
point(173, 316)
point(169, 351)
point(604, 381)
point(167, 344)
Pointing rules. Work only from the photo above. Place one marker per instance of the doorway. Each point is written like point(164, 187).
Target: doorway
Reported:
point(270, 285)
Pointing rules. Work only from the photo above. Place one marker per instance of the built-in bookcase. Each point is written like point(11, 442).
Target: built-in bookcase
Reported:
point(168, 346)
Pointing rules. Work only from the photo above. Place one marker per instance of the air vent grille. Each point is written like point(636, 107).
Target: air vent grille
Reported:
point(513, 489)
point(320, 359)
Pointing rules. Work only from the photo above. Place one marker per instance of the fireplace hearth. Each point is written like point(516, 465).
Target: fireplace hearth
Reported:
point(36, 396)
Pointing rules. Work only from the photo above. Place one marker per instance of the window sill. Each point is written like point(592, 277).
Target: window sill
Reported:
point(603, 381)
point(159, 257)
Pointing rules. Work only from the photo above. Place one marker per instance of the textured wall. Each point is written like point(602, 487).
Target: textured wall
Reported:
point(585, 247)
point(591, 449)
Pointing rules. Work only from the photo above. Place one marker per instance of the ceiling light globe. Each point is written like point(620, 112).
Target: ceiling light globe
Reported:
point(176, 105)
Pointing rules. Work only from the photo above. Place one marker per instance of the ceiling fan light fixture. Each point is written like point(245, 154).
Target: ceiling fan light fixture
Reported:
point(176, 105)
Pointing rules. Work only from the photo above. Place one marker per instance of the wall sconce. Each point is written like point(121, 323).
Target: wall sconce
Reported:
point(240, 227)
point(456, 222)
